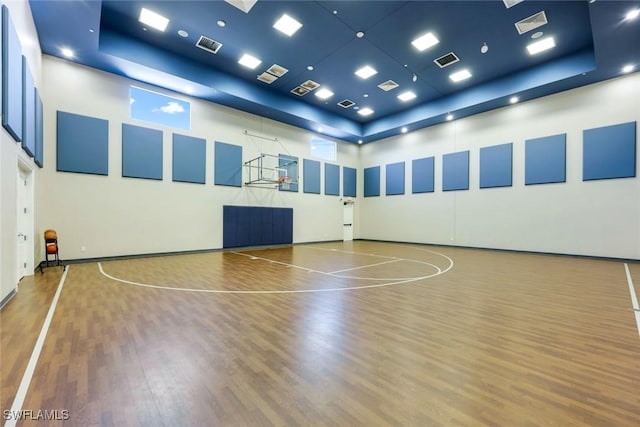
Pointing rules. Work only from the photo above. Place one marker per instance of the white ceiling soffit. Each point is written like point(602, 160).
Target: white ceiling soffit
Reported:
point(243, 5)
point(511, 3)
point(531, 23)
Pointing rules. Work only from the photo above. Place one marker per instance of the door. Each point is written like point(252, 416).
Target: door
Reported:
point(347, 222)
point(22, 222)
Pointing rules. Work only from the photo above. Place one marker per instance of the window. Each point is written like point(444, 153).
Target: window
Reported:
point(323, 149)
point(156, 108)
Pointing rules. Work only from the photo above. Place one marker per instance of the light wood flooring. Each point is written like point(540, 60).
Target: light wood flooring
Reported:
point(333, 334)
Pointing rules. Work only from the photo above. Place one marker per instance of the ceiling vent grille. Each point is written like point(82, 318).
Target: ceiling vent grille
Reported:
point(446, 60)
point(346, 103)
point(310, 85)
point(210, 45)
point(511, 3)
point(388, 85)
point(267, 78)
point(300, 91)
point(531, 23)
point(277, 70)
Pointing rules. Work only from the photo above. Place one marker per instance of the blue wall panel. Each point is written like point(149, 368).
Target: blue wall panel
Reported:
point(331, 179)
point(227, 164)
point(496, 166)
point(256, 226)
point(39, 129)
point(422, 175)
point(394, 176)
point(82, 144)
point(11, 77)
point(455, 171)
point(372, 181)
point(609, 152)
point(290, 164)
point(311, 174)
point(545, 160)
point(141, 152)
point(229, 226)
point(28, 110)
point(349, 181)
point(189, 159)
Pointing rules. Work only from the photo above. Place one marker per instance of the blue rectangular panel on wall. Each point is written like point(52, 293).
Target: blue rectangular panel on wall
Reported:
point(39, 129)
point(545, 159)
point(189, 159)
point(227, 168)
point(331, 179)
point(141, 152)
point(609, 152)
point(290, 165)
point(496, 166)
point(422, 175)
point(455, 171)
point(394, 174)
point(311, 176)
point(11, 77)
point(349, 181)
point(256, 226)
point(372, 181)
point(28, 110)
point(82, 144)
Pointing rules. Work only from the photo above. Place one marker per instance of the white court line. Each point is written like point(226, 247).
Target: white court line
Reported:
point(365, 266)
point(16, 407)
point(634, 297)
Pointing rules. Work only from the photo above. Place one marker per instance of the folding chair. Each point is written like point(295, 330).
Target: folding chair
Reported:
point(51, 248)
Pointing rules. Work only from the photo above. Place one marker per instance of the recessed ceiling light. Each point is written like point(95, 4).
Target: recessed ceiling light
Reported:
point(221, 23)
point(359, 141)
point(153, 19)
point(404, 129)
point(366, 111)
point(183, 33)
point(449, 116)
point(360, 34)
point(366, 72)
point(513, 99)
point(632, 14)
point(406, 96)
point(537, 35)
point(310, 67)
point(425, 41)
point(249, 61)
point(91, 30)
point(287, 25)
point(627, 68)
point(460, 75)
point(541, 46)
point(324, 93)
point(366, 95)
point(67, 52)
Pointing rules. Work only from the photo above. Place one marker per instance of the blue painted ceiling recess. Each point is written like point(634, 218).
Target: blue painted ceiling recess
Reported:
point(593, 42)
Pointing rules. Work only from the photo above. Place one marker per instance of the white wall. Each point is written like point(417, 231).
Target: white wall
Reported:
point(10, 152)
point(98, 216)
point(600, 218)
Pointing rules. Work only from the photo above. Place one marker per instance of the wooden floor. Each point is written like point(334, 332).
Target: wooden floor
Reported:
point(353, 334)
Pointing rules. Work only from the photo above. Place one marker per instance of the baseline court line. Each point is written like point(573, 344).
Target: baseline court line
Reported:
point(634, 297)
point(16, 407)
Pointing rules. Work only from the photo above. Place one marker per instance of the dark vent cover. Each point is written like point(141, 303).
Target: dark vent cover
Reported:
point(210, 45)
point(445, 60)
point(346, 103)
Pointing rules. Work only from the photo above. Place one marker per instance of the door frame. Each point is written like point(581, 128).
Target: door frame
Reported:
point(25, 194)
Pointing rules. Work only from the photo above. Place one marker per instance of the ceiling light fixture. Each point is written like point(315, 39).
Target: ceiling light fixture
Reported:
point(541, 46)
point(513, 99)
point(632, 14)
point(627, 68)
point(366, 111)
point(249, 61)
point(449, 116)
point(404, 130)
point(359, 141)
point(287, 25)
point(360, 34)
point(414, 77)
point(366, 72)
point(324, 93)
point(310, 67)
point(153, 19)
point(460, 75)
point(406, 96)
point(222, 23)
point(484, 48)
point(183, 33)
point(425, 41)
point(537, 35)
point(67, 52)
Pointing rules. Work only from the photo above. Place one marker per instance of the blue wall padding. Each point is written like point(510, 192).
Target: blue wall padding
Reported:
point(227, 169)
point(311, 174)
point(331, 179)
point(82, 144)
point(39, 129)
point(256, 226)
point(609, 152)
point(496, 166)
point(141, 152)
point(290, 164)
point(11, 77)
point(349, 180)
point(545, 160)
point(394, 178)
point(372, 181)
point(455, 171)
point(28, 110)
point(422, 175)
point(189, 159)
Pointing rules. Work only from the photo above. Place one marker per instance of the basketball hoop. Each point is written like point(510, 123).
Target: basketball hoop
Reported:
point(284, 182)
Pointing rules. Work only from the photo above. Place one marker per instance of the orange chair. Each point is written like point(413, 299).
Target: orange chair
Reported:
point(51, 248)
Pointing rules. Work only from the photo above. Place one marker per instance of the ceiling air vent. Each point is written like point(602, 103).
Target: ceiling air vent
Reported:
point(277, 70)
point(210, 45)
point(446, 60)
point(310, 85)
point(511, 3)
point(300, 91)
point(267, 78)
point(346, 103)
point(388, 85)
point(531, 23)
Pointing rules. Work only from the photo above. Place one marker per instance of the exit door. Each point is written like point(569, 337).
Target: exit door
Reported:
point(22, 222)
point(347, 222)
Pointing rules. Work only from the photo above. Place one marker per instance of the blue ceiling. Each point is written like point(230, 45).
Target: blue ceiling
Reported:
point(593, 43)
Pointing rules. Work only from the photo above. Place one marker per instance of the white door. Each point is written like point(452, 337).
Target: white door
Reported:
point(347, 222)
point(23, 222)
